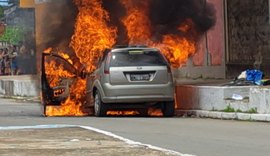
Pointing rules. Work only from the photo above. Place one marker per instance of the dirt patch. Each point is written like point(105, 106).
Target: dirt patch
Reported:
point(71, 141)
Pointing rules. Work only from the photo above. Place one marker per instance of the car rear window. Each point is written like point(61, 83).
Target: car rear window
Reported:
point(137, 58)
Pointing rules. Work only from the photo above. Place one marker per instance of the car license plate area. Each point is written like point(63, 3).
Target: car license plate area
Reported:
point(139, 77)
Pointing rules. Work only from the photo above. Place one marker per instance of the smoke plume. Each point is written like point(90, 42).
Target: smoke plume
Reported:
point(165, 16)
point(58, 20)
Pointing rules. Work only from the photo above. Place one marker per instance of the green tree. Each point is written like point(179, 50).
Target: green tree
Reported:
point(12, 34)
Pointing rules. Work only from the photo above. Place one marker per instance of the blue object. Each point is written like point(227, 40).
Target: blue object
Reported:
point(255, 76)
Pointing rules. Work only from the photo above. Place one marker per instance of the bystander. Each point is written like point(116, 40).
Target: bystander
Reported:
point(2, 65)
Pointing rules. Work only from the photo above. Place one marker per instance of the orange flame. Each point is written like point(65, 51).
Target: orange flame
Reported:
point(121, 113)
point(91, 37)
point(72, 106)
point(66, 57)
point(92, 34)
point(176, 48)
point(54, 72)
point(48, 50)
point(136, 22)
point(155, 112)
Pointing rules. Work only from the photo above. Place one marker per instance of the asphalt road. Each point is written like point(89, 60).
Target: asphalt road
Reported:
point(202, 137)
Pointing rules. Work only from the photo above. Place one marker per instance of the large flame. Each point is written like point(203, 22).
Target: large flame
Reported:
point(73, 105)
point(93, 34)
point(136, 21)
point(176, 48)
point(91, 37)
point(56, 73)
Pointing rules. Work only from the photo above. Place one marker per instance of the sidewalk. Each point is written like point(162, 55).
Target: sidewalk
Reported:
point(52, 140)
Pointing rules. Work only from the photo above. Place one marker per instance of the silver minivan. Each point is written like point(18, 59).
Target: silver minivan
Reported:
point(132, 77)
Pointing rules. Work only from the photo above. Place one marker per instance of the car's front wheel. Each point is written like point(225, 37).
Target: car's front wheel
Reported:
point(168, 109)
point(99, 106)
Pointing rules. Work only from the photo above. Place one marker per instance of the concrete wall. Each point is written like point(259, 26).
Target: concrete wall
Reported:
point(219, 98)
point(20, 86)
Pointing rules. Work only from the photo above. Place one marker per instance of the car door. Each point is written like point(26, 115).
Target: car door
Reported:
point(55, 87)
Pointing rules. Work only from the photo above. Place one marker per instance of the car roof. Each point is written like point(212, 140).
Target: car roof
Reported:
point(133, 48)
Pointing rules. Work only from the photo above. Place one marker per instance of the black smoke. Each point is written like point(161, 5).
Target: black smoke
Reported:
point(57, 23)
point(165, 16)
point(116, 12)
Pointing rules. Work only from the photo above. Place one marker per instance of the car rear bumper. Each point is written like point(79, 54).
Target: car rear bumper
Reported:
point(137, 93)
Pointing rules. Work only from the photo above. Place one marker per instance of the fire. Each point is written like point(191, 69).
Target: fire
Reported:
point(93, 34)
point(91, 37)
point(55, 72)
point(151, 112)
point(136, 21)
point(48, 50)
point(72, 106)
point(123, 113)
point(66, 57)
point(176, 48)
point(155, 112)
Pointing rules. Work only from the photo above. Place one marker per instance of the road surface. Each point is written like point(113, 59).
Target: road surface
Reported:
point(195, 136)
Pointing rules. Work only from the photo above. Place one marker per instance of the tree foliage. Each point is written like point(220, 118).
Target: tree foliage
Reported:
point(12, 35)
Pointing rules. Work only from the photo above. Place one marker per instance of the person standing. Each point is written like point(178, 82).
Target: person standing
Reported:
point(13, 60)
point(6, 62)
point(2, 65)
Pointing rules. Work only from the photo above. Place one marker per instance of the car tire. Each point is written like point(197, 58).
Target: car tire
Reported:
point(168, 109)
point(99, 107)
point(143, 112)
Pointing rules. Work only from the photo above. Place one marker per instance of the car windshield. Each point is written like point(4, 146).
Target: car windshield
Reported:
point(137, 58)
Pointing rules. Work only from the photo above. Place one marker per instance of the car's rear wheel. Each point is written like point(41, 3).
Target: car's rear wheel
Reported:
point(143, 112)
point(99, 106)
point(168, 109)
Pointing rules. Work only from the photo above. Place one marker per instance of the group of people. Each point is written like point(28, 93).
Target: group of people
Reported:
point(8, 65)
point(13, 60)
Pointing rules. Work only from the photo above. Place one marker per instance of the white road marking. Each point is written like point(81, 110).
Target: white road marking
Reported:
point(128, 141)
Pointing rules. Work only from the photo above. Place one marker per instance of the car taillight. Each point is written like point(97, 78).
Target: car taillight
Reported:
point(107, 64)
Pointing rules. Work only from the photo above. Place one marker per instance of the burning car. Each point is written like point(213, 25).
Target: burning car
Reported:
point(132, 77)
point(135, 77)
point(82, 79)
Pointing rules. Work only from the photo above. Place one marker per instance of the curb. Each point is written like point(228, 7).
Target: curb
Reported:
point(224, 115)
point(26, 98)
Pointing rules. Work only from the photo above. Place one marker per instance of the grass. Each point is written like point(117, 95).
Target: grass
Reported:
point(252, 111)
point(230, 109)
